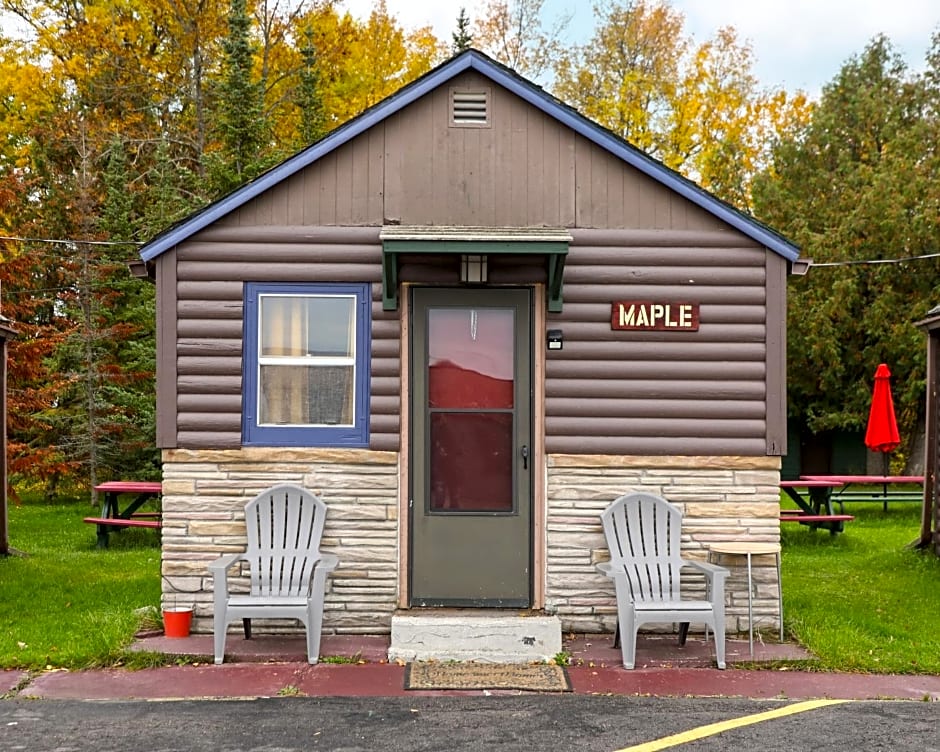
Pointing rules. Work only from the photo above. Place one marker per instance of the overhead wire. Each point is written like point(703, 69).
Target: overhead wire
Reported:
point(863, 262)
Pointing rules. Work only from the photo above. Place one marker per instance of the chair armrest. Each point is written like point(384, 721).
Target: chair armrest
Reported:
point(606, 568)
point(328, 562)
point(711, 571)
point(224, 562)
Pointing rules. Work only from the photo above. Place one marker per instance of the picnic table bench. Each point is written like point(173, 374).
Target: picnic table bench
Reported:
point(876, 488)
point(815, 508)
point(114, 518)
point(834, 523)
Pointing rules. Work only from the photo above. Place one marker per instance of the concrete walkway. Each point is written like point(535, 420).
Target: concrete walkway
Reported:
point(268, 666)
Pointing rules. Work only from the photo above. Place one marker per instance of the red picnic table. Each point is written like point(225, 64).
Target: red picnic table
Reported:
point(878, 487)
point(113, 517)
point(815, 508)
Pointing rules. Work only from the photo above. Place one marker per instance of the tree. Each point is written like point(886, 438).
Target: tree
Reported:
point(241, 125)
point(310, 100)
point(858, 189)
point(461, 39)
point(512, 31)
point(113, 115)
point(697, 108)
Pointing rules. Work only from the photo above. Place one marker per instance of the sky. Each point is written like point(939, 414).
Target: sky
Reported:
point(798, 44)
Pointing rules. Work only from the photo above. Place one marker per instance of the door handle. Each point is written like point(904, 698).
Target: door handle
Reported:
point(525, 457)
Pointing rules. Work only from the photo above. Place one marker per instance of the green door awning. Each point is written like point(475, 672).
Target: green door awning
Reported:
point(552, 243)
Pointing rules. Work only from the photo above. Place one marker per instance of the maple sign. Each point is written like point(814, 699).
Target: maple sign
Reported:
point(645, 315)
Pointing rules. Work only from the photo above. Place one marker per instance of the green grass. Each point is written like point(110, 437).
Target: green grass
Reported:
point(864, 600)
point(65, 603)
point(860, 601)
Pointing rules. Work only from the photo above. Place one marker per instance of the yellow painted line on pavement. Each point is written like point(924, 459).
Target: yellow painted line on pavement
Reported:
point(716, 728)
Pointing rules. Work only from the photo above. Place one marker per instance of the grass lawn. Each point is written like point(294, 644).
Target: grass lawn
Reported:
point(863, 600)
point(66, 603)
point(860, 601)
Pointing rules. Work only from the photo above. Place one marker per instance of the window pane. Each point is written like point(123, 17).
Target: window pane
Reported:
point(306, 395)
point(299, 326)
point(470, 357)
point(471, 462)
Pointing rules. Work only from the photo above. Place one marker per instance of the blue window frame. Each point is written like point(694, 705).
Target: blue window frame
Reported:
point(305, 364)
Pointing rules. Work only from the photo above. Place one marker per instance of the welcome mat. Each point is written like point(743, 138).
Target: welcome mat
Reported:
point(538, 677)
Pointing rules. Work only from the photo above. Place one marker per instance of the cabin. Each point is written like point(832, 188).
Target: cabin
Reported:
point(469, 319)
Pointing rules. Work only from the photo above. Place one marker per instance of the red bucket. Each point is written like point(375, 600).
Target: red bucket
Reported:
point(177, 621)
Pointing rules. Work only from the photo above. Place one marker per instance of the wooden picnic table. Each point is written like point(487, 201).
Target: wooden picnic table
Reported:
point(113, 517)
point(879, 482)
point(815, 508)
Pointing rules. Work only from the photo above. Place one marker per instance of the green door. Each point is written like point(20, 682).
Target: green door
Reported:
point(471, 450)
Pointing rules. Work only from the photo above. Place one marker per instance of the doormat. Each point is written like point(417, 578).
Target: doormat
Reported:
point(538, 677)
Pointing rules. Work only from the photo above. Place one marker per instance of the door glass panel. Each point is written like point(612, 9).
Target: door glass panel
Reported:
point(471, 462)
point(470, 357)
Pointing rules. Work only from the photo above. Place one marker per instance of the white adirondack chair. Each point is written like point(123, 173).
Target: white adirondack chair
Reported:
point(287, 571)
point(643, 533)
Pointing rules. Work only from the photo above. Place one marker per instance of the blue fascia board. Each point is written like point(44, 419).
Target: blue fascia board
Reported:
point(636, 158)
point(302, 159)
point(530, 93)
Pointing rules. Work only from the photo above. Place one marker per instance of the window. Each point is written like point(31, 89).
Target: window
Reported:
point(306, 364)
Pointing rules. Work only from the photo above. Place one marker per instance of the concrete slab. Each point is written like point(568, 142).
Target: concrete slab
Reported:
point(463, 636)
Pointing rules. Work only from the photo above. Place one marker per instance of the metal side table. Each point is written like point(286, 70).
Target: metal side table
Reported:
point(749, 549)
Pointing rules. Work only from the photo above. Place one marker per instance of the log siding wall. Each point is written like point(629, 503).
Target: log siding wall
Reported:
point(607, 391)
point(208, 302)
point(641, 392)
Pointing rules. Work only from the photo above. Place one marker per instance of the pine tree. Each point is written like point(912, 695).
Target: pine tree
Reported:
point(462, 38)
point(242, 129)
point(310, 100)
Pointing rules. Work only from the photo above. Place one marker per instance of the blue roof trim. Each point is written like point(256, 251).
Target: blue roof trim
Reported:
point(527, 91)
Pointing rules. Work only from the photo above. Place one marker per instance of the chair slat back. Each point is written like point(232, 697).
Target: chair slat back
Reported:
point(644, 535)
point(284, 526)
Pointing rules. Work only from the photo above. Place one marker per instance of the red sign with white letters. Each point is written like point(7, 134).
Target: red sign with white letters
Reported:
point(645, 315)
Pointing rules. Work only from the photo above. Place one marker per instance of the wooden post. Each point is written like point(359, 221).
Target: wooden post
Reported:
point(5, 334)
point(930, 520)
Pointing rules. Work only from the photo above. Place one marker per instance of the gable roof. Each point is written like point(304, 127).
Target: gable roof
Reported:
point(521, 87)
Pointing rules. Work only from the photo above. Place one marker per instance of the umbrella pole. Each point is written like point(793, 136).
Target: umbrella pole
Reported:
point(885, 461)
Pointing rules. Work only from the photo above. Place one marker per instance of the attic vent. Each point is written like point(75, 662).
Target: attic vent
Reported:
point(470, 108)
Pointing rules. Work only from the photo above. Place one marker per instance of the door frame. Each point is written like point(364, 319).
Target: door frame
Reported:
point(537, 460)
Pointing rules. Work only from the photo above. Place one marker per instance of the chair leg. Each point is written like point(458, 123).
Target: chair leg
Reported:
point(246, 625)
point(720, 643)
point(218, 635)
point(683, 632)
point(628, 649)
point(315, 616)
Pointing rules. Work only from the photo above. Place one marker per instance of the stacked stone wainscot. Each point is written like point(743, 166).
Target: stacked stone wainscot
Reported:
point(723, 499)
point(204, 496)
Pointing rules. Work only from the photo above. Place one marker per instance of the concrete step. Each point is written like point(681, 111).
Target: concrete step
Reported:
point(471, 635)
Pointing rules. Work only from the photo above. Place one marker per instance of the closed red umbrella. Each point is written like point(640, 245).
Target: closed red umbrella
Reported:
point(882, 433)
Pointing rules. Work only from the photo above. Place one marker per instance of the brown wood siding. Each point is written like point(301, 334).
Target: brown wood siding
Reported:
point(605, 392)
point(525, 170)
point(629, 392)
point(207, 299)
point(166, 342)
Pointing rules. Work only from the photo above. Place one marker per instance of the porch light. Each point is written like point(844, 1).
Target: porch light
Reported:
point(472, 269)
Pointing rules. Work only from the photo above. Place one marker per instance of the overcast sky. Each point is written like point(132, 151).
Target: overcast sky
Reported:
point(797, 43)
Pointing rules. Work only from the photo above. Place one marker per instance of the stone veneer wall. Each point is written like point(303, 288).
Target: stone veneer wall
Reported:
point(723, 499)
point(205, 491)
point(204, 497)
